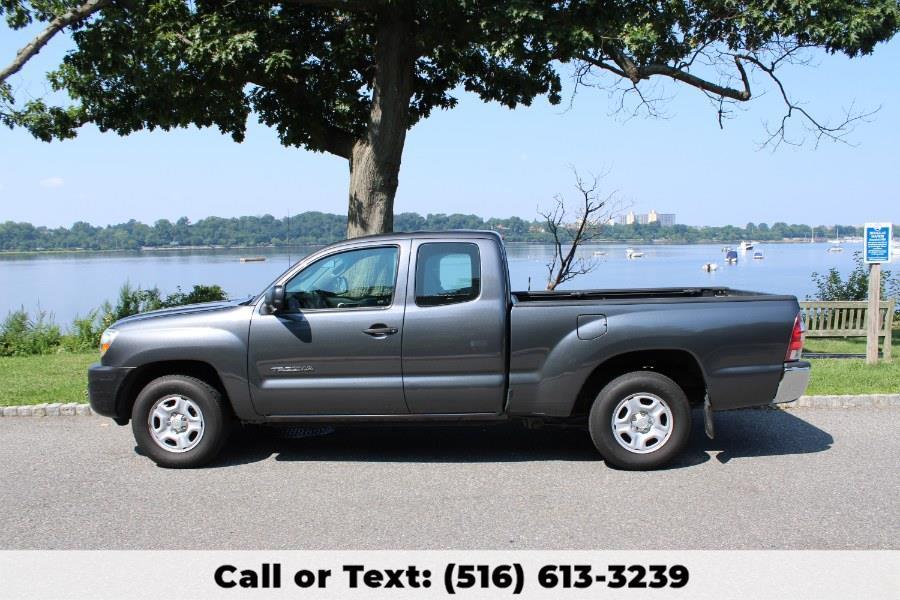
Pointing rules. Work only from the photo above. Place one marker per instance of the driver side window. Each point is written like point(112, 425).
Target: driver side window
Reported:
point(353, 279)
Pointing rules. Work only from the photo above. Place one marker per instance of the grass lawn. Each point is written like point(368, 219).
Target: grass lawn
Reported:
point(856, 345)
point(63, 378)
point(49, 378)
point(835, 376)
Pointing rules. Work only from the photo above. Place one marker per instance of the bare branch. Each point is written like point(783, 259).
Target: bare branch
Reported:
point(592, 215)
point(628, 69)
point(819, 129)
point(731, 66)
point(71, 17)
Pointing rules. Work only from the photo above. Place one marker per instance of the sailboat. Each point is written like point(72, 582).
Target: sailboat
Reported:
point(836, 243)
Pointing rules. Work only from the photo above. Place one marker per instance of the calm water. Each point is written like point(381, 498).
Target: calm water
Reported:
point(72, 284)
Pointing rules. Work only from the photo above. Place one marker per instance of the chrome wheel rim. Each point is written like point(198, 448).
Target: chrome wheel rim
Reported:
point(642, 423)
point(176, 423)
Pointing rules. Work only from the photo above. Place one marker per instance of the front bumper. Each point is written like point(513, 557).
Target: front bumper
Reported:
point(104, 385)
point(793, 383)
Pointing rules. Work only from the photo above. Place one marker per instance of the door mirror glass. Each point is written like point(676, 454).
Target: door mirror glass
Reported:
point(275, 298)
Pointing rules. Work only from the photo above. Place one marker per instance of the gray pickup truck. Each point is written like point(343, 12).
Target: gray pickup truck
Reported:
point(423, 327)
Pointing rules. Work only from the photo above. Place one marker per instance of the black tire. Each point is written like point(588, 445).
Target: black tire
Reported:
point(215, 415)
point(632, 385)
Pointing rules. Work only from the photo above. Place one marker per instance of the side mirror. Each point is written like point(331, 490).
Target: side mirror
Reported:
point(275, 298)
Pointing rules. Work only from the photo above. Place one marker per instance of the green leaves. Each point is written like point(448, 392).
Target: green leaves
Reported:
point(307, 70)
point(44, 122)
point(832, 286)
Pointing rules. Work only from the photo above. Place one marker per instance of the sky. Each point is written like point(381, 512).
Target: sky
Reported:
point(488, 160)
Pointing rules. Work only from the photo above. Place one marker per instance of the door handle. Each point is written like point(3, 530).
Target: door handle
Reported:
point(380, 330)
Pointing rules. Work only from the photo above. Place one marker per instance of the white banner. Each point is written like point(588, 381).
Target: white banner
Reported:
point(695, 575)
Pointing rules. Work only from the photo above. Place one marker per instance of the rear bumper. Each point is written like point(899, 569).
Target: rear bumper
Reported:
point(104, 385)
point(793, 383)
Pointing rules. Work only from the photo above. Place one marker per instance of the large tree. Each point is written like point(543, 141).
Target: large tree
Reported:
point(350, 77)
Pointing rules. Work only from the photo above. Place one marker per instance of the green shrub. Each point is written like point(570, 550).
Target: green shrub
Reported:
point(84, 333)
point(832, 286)
point(135, 300)
point(21, 335)
point(199, 293)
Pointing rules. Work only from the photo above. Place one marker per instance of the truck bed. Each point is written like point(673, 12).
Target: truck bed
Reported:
point(642, 294)
point(733, 342)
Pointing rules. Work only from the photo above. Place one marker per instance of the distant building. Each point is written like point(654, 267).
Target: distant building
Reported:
point(630, 218)
point(664, 219)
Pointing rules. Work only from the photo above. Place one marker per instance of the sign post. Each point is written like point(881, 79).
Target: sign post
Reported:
point(877, 250)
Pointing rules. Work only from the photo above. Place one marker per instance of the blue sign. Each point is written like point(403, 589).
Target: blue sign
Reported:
point(878, 239)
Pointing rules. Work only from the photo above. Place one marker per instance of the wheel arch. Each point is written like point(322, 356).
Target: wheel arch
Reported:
point(680, 366)
point(141, 376)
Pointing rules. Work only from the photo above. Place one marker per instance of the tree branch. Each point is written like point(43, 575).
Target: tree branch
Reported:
point(361, 5)
point(628, 69)
point(835, 133)
point(67, 19)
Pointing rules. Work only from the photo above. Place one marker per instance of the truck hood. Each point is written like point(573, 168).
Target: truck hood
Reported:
point(205, 307)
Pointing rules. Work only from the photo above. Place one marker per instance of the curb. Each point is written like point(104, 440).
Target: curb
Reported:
point(847, 401)
point(74, 409)
point(55, 409)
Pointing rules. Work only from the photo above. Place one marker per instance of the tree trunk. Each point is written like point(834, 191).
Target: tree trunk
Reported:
point(375, 158)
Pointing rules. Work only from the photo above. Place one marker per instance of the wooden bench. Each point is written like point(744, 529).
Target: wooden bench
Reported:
point(847, 319)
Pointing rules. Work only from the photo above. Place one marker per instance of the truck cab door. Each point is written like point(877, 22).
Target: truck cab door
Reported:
point(454, 331)
point(335, 348)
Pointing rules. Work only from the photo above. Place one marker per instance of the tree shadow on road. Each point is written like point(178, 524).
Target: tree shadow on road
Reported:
point(739, 434)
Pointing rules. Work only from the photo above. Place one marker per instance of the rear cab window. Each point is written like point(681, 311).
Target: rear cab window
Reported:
point(447, 273)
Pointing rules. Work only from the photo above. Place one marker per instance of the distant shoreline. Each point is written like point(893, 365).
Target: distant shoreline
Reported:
point(164, 249)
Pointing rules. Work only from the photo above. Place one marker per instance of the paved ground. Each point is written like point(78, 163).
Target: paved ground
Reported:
point(813, 478)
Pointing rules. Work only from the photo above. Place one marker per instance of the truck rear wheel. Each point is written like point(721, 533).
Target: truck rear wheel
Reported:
point(640, 420)
point(180, 421)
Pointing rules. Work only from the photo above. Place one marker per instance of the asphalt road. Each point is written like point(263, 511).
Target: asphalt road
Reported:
point(808, 478)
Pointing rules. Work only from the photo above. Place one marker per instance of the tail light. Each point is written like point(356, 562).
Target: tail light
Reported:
point(795, 348)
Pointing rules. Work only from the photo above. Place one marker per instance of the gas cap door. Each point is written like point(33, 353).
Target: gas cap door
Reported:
point(590, 327)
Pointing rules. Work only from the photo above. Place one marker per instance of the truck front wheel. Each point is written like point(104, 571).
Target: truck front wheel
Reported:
point(640, 420)
point(180, 421)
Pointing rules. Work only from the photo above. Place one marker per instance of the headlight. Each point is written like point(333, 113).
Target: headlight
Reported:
point(106, 340)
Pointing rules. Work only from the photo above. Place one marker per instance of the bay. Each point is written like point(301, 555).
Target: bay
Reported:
point(67, 285)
